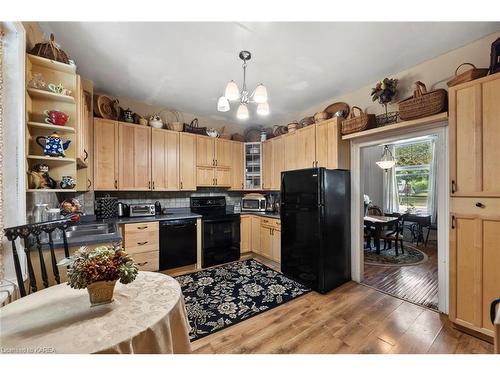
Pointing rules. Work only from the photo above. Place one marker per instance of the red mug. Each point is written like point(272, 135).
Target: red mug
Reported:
point(55, 117)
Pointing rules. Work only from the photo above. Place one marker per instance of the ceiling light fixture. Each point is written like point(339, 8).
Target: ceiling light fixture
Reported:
point(387, 161)
point(233, 93)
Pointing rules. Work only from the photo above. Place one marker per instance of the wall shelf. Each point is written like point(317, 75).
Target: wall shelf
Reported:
point(51, 191)
point(47, 95)
point(399, 125)
point(51, 64)
point(59, 128)
point(50, 158)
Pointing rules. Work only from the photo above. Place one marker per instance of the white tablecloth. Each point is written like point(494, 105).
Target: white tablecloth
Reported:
point(146, 316)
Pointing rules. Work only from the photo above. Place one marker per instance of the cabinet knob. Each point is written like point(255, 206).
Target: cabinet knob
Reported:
point(480, 205)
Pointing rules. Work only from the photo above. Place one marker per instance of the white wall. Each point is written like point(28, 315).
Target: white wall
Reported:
point(434, 73)
point(373, 176)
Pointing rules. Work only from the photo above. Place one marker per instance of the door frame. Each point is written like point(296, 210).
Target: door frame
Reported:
point(440, 130)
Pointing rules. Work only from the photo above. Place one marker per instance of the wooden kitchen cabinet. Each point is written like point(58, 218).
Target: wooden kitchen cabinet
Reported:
point(255, 234)
point(270, 239)
point(290, 145)
point(331, 151)
point(205, 151)
point(223, 153)
point(237, 170)
point(81, 125)
point(222, 177)
point(142, 242)
point(278, 162)
point(474, 139)
point(267, 164)
point(85, 138)
point(474, 261)
point(187, 161)
point(205, 176)
point(245, 233)
point(164, 160)
point(305, 147)
point(134, 156)
point(105, 154)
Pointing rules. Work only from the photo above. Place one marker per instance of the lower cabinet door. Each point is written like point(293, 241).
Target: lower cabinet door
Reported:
point(266, 243)
point(276, 239)
point(255, 243)
point(245, 234)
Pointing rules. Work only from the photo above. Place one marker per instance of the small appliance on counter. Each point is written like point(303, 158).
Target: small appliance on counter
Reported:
point(123, 209)
point(253, 202)
point(142, 210)
point(157, 208)
point(106, 207)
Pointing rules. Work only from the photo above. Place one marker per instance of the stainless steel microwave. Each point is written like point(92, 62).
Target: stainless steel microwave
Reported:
point(253, 202)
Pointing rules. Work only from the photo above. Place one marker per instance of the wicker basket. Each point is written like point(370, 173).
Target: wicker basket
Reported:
point(238, 137)
point(106, 107)
point(176, 125)
point(321, 116)
point(468, 75)
point(423, 103)
point(358, 123)
point(193, 127)
point(50, 50)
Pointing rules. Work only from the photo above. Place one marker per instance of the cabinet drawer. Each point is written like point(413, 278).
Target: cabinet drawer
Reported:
point(271, 223)
point(147, 261)
point(140, 243)
point(489, 207)
point(141, 228)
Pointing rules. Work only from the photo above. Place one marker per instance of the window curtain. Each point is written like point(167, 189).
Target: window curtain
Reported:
point(391, 194)
point(432, 192)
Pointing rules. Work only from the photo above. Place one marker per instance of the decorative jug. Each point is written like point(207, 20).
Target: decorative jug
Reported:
point(53, 145)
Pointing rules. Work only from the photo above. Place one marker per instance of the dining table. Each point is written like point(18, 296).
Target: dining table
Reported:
point(378, 222)
point(146, 316)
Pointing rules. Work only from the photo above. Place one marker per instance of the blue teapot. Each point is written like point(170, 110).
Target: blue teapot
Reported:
point(53, 145)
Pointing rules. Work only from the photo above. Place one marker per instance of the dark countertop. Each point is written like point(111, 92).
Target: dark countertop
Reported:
point(272, 215)
point(143, 219)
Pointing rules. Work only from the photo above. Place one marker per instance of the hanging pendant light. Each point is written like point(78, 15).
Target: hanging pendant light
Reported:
point(387, 161)
point(233, 93)
point(263, 109)
point(242, 113)
point(223, 104)
point(260, 94)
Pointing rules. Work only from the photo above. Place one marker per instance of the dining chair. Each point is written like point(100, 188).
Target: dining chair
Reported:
point(375, 211)
point(31, 235)
point(395, 233)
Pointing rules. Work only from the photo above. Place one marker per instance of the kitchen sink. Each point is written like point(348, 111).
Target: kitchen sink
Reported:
point(91, 230)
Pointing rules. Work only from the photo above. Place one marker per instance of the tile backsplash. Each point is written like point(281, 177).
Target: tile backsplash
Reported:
point(168, 199)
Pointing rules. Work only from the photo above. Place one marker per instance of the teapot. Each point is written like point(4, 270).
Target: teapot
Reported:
point(53, 145)
point(56, 117)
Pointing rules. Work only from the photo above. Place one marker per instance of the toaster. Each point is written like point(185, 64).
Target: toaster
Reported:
point(141, 210)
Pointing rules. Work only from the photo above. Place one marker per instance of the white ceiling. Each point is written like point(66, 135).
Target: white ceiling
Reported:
point(187, 65)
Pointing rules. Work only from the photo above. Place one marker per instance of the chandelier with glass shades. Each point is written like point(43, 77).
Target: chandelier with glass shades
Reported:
point(233, 93)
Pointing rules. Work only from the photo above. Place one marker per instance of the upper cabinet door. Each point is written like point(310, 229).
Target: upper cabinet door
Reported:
point(205, 151)
point(105, 154)
point(290, 143)
point(474, 138)
point(187, 161)
point(223, 153)
point(134, 150)
point(278, 162)
point(306, 147)
point(267, 164)
point(237, 174)
point(164, 160)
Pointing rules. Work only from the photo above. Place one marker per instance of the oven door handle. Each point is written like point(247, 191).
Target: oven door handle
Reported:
point(217, 221)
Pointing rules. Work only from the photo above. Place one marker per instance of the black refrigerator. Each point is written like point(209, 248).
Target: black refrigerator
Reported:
point(316, 227)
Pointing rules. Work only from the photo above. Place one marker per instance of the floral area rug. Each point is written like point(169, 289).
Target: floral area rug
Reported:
point(411, 256)
point(219, 297)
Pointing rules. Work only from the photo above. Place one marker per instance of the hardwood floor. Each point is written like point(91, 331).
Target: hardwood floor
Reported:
point(417, 284)
point(350, 319)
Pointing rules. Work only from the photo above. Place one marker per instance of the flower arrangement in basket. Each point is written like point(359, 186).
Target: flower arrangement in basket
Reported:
point(98, 270)
point(385, 91)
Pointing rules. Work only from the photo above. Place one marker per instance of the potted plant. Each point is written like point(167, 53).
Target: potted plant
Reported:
point(98, 270)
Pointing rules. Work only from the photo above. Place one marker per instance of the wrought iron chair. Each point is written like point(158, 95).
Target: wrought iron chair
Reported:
point(30, 234)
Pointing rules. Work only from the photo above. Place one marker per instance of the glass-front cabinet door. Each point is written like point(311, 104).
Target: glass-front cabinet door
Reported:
point(253, 166)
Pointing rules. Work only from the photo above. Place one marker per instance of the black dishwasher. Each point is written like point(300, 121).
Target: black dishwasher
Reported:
point(177, 243)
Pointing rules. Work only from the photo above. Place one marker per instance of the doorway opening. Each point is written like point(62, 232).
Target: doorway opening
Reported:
point(400, 214)
point(399, 224)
